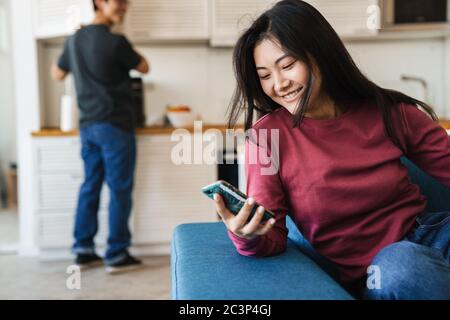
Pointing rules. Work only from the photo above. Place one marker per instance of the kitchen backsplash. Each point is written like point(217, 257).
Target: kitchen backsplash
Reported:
point(196, 75)
point(202, 77)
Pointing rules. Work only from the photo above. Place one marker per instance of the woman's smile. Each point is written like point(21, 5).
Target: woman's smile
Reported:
point(292, 96)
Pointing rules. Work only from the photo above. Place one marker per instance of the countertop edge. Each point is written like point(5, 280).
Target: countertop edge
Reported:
point(55, 132)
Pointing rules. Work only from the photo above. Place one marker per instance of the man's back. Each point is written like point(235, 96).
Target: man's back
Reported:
point(100, 62)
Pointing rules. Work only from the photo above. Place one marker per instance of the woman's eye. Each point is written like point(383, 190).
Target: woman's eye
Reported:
point(265, 77)
point(289, 66)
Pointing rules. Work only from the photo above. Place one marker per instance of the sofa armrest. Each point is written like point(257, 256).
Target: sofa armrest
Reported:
point(206, 266)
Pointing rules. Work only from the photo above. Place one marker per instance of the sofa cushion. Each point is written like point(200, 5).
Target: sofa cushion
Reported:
point(206, 266)
point(305, 247)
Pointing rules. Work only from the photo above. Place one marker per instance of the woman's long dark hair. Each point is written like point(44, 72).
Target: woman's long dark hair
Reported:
point(304, 34)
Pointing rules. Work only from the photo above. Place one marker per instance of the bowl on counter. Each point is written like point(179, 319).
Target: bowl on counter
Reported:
point(181, 116)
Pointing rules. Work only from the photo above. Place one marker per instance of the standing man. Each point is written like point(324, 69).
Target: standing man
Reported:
point(100, 62)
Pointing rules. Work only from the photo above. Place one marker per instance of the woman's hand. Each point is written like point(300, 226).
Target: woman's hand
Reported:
point(238, 225)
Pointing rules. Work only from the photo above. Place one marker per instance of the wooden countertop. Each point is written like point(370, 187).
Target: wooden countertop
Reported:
point(445, 124)
point(56, 132)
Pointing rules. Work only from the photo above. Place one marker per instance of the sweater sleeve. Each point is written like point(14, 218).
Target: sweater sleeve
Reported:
point(264, 185)
point(427, 144)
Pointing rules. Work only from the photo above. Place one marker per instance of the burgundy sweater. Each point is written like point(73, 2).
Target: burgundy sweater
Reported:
point(342, 182)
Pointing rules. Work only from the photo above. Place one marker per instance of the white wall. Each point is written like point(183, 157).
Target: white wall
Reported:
point(202, 77)
point(196, 75)
point(7, 110)
point(385, 62)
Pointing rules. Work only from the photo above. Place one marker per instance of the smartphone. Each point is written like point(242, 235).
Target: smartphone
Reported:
point(234, 199)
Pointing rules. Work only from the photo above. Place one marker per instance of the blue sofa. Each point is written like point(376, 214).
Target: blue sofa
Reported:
point(206, 266)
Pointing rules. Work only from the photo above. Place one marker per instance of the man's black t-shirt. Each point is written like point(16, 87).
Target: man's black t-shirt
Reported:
point(100, 62)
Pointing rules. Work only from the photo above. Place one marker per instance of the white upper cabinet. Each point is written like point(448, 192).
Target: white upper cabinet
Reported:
point(56, 18)
point(351, 18)
point(230, 17)
point(149, 20)
point(220, 21)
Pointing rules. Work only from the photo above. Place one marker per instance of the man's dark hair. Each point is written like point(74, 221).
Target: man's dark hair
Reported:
point(95, 6)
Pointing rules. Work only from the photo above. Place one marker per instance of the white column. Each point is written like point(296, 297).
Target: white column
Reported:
point(26, 91)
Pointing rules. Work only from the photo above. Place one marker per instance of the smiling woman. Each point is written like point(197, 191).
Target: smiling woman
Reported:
point(340, 176)
point(283, 78)
point(330, 79)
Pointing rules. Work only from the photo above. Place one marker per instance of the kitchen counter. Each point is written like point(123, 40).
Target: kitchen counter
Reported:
point(445, 124)
point(55, 132)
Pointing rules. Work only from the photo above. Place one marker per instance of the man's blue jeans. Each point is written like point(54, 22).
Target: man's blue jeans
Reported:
point(417, 267)
point(109, 153)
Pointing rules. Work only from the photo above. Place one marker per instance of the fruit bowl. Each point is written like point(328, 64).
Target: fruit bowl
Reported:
point(181, 116)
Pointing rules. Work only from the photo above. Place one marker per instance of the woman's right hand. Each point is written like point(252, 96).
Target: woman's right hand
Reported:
point(238, 225)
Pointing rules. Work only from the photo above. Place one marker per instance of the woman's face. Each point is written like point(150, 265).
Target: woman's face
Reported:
point(283, 78)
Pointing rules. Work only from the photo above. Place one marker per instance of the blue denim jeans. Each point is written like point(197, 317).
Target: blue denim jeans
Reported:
point(417, 268)
point(108, 153)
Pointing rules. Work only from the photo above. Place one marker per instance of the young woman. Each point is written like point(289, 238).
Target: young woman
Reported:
point(339, 175)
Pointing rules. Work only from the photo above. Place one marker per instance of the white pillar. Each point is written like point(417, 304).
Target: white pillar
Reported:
point(26, 92)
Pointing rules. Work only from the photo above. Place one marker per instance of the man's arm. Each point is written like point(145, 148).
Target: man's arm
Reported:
point(143, 66)
point(58, 73)
point(130, 58)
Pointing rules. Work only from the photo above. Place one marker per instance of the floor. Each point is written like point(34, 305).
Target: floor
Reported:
point(25, 278)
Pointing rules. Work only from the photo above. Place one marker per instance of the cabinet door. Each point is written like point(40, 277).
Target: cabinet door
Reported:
point(350, 17)
point(167, 194)
point(56, 18)
point(149, 20)
point(58, 155)
point(56, 230)
point(231, 17)
point(58, 174)
point(60, 191)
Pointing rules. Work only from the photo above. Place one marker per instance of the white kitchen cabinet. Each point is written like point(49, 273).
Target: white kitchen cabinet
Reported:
point(150, 20)
point(350, 17)
point(55, 230)
point(57, 18)
point(57, 179)
point(167, 194)
point(60, 155)
point(230, 17)
point(164, 195)
point(60, 191)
